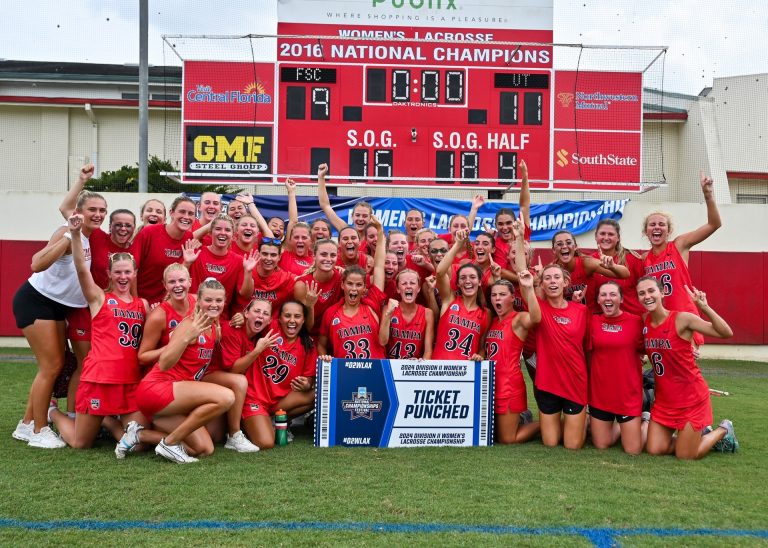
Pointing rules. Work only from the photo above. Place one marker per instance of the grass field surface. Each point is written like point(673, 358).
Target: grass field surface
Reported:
point(300, 495)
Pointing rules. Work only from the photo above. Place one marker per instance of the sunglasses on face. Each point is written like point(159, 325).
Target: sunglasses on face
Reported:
point(272, 241)
point(437, 251)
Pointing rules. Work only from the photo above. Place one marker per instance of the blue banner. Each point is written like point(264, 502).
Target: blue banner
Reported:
point(546, 219)
point(404, 403)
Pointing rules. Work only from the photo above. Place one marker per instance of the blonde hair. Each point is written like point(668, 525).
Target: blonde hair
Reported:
point(667, 216)
point(214, 285)
point(86, 195)
point(170, 268)
point(120, 256)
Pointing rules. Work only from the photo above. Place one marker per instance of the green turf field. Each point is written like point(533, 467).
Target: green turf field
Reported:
point(521, 495)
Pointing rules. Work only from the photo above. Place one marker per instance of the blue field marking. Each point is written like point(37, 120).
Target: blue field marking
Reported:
point(599, 536)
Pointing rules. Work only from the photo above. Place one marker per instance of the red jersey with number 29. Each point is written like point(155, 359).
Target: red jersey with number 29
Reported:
point(280, 364)
point(459, 332)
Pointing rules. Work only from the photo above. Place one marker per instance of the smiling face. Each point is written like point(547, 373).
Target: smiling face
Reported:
point(502, 299)
point(349, 243)
point(553, 282)
point(153, 213)
point(468, 281)
point(564, 247)
point(483, 249)
point(607, 238)
point(183, 216)
point(121, 228)
point(353, 287)
point(121, 274)
point(212, 301)
point(210, 206)
point(504, 226)
point(325, 257)
point(437, 250)
point(398, 244)
point(300, 241)
point(408, 287)
point(277, 226)
point(94, 211)
point(657, 229)
point(236, 209)
point(177, 284)
point(291, 320)
point(247, 230)
point(221, 234)
point(413, 223)
point(609, 298)
point(423, 240)
point(390, 266)
point(257, 316)
point(320, 231)
point(269, 257)
point(372, 237)
point(361, 216)
point(649, 294)
point(459, 222)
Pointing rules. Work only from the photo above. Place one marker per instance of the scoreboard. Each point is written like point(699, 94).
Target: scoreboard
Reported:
point(410, 103)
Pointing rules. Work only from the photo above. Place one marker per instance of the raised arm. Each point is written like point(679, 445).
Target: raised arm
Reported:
point(442, 273)
point(525, 194)
point(69, 202)
point(684, 242)
point(293, 207)
point(247, 199)
point(325, 202)
point(56, 247)
point(687, 323)
point(379, 278)
point(477, 202)
point(386, 321)
point(92, 292)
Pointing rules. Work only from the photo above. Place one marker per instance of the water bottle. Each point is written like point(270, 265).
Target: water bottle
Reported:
point(281, 428)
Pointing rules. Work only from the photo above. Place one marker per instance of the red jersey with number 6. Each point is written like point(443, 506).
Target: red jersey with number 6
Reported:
point(459, 332)
point(116, 333)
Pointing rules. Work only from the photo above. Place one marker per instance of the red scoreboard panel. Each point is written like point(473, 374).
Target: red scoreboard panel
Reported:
point(413, 124)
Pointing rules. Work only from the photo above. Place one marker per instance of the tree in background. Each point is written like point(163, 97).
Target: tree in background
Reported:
point(126, 179)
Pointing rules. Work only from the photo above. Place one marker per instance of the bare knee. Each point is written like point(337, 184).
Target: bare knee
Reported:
point(225, 399)
point(239, 385)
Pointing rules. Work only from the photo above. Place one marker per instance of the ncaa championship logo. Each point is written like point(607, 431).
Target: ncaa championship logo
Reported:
point(362, 405)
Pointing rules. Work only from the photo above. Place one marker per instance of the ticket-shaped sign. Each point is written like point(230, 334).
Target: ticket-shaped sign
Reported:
point(404, 403)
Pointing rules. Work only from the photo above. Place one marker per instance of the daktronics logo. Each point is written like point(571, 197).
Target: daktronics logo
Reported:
point(254, 92)
point(418, 4)
point(595, 160)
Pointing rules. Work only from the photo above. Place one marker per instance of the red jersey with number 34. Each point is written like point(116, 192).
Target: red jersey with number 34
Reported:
point(459, 332)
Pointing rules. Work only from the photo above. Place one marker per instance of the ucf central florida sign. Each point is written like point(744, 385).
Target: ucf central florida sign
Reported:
point(404, 403)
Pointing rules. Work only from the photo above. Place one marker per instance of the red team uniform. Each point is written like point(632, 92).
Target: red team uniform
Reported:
point(227, 269)
point(328, 294)
point(111, 369)
point(269, 378)
point(275, 288)
point(406, 339)
point(616, 367)
point(459, 332)
point(155, 391)
point(290, 262)
point(504, 347)
point(628, 286)
point(682, 394)
point(355, 337)
point(579, 279)
point(153, 250)
point(561, 336)
point(102, 247)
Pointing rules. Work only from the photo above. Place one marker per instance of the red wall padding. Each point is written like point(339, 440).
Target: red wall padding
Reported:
point(736, 285)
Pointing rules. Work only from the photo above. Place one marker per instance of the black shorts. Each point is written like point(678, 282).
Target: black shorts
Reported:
point(599, 414)
point(30, 305)
point(552, 404)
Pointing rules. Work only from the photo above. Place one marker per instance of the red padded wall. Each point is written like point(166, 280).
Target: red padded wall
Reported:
point(15, 258)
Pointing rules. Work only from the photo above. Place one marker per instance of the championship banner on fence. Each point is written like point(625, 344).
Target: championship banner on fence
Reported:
point(404, 403)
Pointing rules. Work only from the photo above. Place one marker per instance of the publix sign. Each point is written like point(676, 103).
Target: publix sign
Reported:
point(418, 4)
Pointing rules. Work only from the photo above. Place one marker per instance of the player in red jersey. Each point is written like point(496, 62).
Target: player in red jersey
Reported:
point(361, 213)
point(216, 260)
point(350, 328)
point(208, 208)
point(320, 229)
point(682, 401)
point(580, 268)
point(616, 374)
point(407, 329)
point(349, 250)
point(152, 213)
point(608, 238)
point(461, 222)
point(263, 279)
point(157, 246)
point(463, 319)
point(246, 235)
point(504, 344)
point(296, 257)
point(111, 370)
point(323, 281)
point(414, 223)
point(667, 261)
point(283, 375)
point(170, 394)
point(236, 209)
point(561, 370)
point(505, 237)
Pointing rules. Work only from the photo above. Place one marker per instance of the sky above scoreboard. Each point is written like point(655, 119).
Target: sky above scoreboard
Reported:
point(706, 40)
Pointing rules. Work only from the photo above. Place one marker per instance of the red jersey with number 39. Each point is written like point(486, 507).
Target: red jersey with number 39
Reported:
point(679, 383)
point(459, 332)
point(116, 334)
point(355, 337)
point(406, 338)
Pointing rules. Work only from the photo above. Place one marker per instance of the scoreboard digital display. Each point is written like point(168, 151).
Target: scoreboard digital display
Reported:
point(396, 104)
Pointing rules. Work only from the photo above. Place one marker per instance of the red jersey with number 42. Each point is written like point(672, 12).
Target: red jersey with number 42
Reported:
point(406, 338)
point(116, 334)
point(459, 332)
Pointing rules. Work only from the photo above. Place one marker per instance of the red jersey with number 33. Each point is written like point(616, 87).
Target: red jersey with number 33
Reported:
point(355, 337)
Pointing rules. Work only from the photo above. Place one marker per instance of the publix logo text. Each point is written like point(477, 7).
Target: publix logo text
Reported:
point(418, 4)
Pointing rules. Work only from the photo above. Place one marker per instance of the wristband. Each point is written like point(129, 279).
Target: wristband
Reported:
point(68, 236)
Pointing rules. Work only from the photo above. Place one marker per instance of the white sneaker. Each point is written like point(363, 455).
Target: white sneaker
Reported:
point(46, 439)
point(129, 440)
point(238, 442)
point(175, 453)
point(23, 431)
